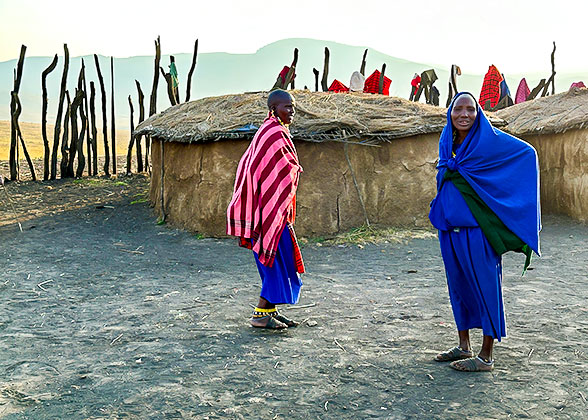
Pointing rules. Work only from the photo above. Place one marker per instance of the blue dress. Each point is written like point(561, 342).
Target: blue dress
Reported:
point(503, 171)
point(280, 283)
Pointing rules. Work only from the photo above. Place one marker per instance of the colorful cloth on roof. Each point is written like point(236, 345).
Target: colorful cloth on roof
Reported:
point(579, 84)
point(502, 170)
point(523, 91)
point(491, 87)
point(372, 84)
point(357, 82)
point(173, 71)
point(504, 90)
point(264, 197)
point(337, 86)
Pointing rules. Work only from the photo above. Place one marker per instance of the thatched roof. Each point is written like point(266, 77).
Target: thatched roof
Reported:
point(551, 114)
point(352, 117)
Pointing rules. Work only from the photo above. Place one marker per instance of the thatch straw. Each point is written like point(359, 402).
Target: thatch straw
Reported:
point(354, 117)
point(552, 114)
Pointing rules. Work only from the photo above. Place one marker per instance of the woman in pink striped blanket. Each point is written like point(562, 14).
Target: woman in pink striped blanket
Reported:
point(262, 211)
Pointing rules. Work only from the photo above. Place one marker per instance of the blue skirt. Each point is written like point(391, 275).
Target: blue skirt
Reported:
point(280, 283)
point(474, 279)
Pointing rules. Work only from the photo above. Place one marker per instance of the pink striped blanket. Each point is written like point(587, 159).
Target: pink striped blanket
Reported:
point(265, 189)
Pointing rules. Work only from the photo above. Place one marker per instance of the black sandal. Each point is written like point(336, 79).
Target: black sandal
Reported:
point(272, 324)
point(290, 323)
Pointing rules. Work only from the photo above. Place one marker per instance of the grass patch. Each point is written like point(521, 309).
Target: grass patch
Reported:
point(140, 200)
point(199, 236)
point(369, 234)
point(93, 182)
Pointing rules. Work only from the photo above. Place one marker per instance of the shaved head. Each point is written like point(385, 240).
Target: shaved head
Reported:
point(278, 96)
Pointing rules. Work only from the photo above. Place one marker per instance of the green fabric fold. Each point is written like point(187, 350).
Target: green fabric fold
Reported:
point(500, 237)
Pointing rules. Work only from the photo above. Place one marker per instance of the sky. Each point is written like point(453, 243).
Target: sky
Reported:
point(517, 37)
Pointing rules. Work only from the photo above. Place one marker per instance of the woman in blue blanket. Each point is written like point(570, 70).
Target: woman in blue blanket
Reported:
point(487, 203)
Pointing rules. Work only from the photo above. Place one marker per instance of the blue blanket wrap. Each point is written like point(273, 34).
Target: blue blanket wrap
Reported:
point(504, 172)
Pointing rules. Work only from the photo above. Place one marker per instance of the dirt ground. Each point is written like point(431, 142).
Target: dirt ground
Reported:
point(107, 315)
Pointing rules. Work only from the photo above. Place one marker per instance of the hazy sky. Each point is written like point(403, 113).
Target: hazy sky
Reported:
point(516, 36)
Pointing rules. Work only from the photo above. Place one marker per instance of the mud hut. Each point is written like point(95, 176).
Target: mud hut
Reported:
point(366, 159)
point(557, 126)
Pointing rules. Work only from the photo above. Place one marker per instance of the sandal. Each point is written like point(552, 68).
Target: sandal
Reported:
point(456, 353)
point(272, 323)
point(472, 364)
point(290, 323)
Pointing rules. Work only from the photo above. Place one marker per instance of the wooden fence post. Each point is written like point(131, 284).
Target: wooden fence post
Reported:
point(75, 135)
point(104, 122)
point(17, 111)
point(153, 98)
point(363, 61)
point(381, 82)
point(191, 72)
point(93, 129)
point(316, 75)
point(45, 101)
point(65, 139)
point(13, 159)
point(170, 91)
point(324, 84)
point(141, 118)
point(112, 117)
point(131, 140)
point(89, 140)
point(57, 130)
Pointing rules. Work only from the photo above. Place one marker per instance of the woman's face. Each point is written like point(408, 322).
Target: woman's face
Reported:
point(285, 110)
point(463, 114)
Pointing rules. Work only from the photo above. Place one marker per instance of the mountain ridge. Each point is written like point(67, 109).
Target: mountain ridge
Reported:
point(220, 73)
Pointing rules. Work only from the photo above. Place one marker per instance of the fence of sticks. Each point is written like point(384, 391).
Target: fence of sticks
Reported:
point(76, 123)
point(80, 107)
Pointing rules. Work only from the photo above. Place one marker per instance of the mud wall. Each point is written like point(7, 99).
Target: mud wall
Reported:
point(563, 159)
point(395, 180)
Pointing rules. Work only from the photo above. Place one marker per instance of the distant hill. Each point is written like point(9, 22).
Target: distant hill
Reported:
point(222, 73)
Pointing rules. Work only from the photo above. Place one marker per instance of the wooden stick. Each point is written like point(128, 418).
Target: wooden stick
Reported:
point(104, 120)
point(93, 129)
point(65, 139)
point(324, 84)
point(381, 81)
point(58, 122)
point(112, 118)
point(47, 151)
point(141, 118)
point(153, 98)
point(363, 62)
point(316, 75)
point(191, 72)
point(13, 158)
point(86, 114)
point(15, 116)
point(132, 139)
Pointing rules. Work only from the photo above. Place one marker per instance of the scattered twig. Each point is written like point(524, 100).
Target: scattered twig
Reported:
point(530, 353)
point(131, 252)
point(340, 346)
point(327, 405)
point(583, 397)
point(40, 285)
point(276, 365)
point(310, 305)
point(116, 339)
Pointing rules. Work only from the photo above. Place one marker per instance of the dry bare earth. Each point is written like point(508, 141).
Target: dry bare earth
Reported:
point(107, 315)
point(31, 133)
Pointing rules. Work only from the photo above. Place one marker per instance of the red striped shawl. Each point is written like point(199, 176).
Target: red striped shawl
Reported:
point(265, 191)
